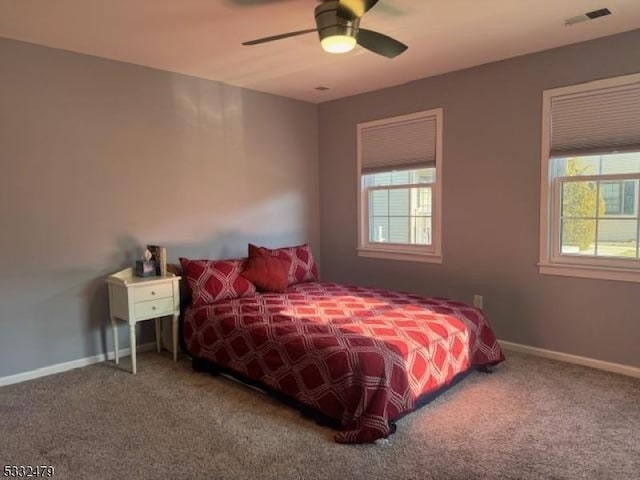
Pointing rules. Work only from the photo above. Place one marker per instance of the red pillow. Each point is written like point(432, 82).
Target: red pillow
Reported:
point(302, 268)
point(213, 280)
point(268, 273)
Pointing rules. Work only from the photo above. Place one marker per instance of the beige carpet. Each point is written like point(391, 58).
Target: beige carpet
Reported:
point(531, 419)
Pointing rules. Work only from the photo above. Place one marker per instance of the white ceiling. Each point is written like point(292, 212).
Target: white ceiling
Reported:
point(203, 37)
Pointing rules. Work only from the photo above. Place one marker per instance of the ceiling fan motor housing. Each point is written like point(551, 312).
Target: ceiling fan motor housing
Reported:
point(330, 24)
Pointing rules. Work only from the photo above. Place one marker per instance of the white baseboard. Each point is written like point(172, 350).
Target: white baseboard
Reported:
point(566, 357)
point(63, 367)
point(515, 347)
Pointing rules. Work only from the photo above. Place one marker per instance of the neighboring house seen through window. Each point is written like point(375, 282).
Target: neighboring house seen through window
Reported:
point(591, 200)
point(399, 187)
point(620, 197)
point(400, 206)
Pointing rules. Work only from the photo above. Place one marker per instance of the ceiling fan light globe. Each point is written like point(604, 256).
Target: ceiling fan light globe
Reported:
point(338, 43)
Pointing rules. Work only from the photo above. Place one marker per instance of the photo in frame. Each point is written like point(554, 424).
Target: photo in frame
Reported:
point(159, 256)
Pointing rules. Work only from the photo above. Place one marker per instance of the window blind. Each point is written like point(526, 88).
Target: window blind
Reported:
point(405, 144)
point(600, 121)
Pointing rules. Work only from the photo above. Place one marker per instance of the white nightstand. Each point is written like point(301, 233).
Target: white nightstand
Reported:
point(134, 299)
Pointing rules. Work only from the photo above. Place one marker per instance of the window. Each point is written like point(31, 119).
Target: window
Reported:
point(620, 197)
point(399, 173)
point(590, 200)
point(400, 206)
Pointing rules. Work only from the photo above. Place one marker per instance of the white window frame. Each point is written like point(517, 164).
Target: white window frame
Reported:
point(551, 262)
point(416, 253)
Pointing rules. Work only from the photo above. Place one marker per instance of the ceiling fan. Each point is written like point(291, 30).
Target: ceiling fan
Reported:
point(338, 25)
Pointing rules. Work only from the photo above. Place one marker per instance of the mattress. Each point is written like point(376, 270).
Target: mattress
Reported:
point(363, 357)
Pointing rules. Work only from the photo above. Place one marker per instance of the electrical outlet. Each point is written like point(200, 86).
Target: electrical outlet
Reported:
point(478, 301)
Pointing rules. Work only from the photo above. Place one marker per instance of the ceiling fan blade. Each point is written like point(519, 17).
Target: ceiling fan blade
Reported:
point(279, 37)
point(352, 9)
point(379, 43)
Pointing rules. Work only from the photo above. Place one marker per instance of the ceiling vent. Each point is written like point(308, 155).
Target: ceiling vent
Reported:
point(587, 16)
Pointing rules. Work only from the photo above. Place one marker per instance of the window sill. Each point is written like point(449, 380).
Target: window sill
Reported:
point(600, 273)
point(400, 255)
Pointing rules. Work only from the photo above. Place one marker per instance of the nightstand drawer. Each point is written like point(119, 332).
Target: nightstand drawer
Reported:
point(153, 292)
point(154, 308)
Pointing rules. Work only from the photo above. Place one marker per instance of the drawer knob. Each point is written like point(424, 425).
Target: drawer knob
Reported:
point(153, 308)
point(153, 293)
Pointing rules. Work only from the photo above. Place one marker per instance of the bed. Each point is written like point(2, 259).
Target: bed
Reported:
point(361, 357)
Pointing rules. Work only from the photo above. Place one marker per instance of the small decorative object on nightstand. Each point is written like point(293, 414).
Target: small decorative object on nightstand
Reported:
point(134, 299)
point(146, 267)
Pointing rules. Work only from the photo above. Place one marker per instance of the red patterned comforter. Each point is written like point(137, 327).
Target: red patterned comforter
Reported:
point(358, 355)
